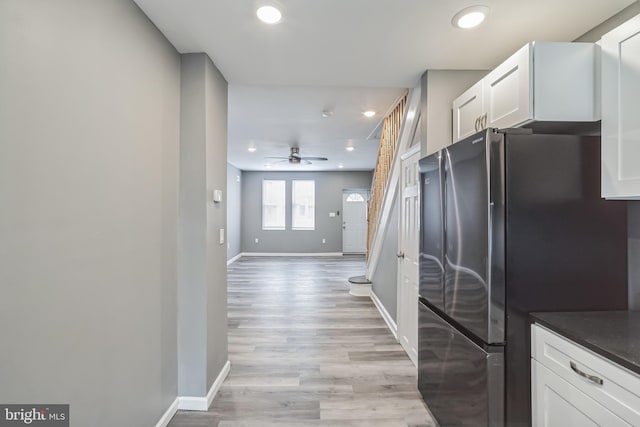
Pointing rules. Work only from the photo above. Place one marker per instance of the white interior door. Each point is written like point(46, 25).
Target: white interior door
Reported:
point(408, 242)
point(354, 221)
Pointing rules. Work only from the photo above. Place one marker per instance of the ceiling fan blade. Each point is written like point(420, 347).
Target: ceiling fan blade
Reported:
point(276, 157)
point(278, 161)
point(314, 158)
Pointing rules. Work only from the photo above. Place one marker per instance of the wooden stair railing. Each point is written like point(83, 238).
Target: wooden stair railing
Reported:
point(388, 142)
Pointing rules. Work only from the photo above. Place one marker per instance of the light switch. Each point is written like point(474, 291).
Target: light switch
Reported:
point(222, 236)
point(217, 196)
point(332, 214)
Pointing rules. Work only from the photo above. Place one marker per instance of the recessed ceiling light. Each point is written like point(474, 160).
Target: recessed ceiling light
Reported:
point(470, 17)
point(252, 149)
point(340, 166)
point(350, 148)
point(269, 14)
point(369, 113)
point(327, 113)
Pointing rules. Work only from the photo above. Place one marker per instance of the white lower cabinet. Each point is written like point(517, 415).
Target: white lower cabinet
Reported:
point(573, 386)
point(556, 403)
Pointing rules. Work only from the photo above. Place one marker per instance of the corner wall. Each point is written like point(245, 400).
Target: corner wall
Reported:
point(234, 208)
point(202, 270)
point(89, 140)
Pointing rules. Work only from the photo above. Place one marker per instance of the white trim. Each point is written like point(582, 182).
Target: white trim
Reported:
point(189, 403)
point(411, 151)
point(234, 259)
point(291, 254)
point(168, 415)
point(215, 387)
point(385, 314)
point(407, 130)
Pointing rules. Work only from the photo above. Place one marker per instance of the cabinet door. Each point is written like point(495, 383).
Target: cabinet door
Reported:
point(467, 112)
point(557, 403)
point(507, 91)
point(620, 111)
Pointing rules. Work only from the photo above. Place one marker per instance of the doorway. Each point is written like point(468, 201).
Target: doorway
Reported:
point(409, 223)
point(354, 221)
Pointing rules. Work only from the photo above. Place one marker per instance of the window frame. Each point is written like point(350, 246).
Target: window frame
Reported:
point(293, 205)
point(284, 206)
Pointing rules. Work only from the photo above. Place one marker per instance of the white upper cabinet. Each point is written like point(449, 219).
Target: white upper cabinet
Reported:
point(507, 91)
point(621, 111)
point(543, 81)
point(467, 112)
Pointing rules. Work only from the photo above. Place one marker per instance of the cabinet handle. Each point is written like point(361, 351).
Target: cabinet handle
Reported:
point(484, 121)
point(477, 124)
point(591, 378)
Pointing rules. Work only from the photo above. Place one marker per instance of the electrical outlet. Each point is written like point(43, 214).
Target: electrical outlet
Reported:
point(257, 240)
point(324, 241)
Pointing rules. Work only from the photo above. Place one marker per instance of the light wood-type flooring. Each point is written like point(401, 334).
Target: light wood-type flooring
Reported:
point(304, 352)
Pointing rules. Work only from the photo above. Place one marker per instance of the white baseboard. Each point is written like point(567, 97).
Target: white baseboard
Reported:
point(385, 315)
point(215, 387)
point(292, 254)
point(168, 415)
point(189, 403)
point(234, 259)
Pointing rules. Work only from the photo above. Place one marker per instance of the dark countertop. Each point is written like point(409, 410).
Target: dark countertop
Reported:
point(614, 335)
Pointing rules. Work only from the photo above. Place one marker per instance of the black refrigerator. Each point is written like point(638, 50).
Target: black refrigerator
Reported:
point(511, 222)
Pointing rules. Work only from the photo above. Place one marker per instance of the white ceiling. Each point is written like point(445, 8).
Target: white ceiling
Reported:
point(335, 53)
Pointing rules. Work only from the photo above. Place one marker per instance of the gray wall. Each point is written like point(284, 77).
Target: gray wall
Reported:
point(234, 207)
point(385, 278)
point(202, 321)
point(89, 140)
point(329, 186)
point(216, 156)
point(597, 32)
point(439, 89)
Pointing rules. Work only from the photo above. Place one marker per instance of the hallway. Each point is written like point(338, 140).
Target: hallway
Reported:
point(304, 352)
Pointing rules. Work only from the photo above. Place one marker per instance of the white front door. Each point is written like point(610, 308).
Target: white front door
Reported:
point(409, 228)
point(354, 221)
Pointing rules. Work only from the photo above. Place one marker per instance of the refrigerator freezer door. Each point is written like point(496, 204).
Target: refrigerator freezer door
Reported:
point(462, 384)
point(474, 200)
point(432, 230)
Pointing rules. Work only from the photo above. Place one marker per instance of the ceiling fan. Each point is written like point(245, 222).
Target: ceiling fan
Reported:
point(296, 158)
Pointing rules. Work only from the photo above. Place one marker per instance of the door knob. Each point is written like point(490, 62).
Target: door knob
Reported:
point(400, 255)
